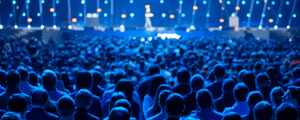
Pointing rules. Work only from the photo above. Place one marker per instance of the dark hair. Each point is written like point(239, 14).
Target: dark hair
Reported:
point(153, 70)
point(155, 82)
point(263, 111)
point(228, 85)
point(286, 111)
point(65, 78)
point(262, 80)
point(272, 72)
point(219, 71)
point(123, 103)
point(204, 98)
point(163, 95)
point(58, 75)
point(156, 109)
point(97, 77)
point(17, 103)
point(119, 113)
point(276, 95)
point(33, 79)
point(118, 75)
point(197, 82)
point(241, 74)
point(13, 77)
point(183, 75)
point(296, 73)
point(11, 116)
point(39, 97)
point(295, 92)
point(127, 87)
point(65, 104)
point(49, 78)
point(84, 80)
point(249, 80)
point(253, 98)
point(232, 116)
point(23, 72)
point(175, 104)
point(240, 92)
point(3, 78)
point(115, 97)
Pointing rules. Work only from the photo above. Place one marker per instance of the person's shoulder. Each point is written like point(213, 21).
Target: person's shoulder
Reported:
point(96, 97)
point(51, 115)
point(92, 117)
point(227, 110)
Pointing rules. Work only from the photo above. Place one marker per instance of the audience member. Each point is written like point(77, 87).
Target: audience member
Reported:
point(249, 80)
point(292, 95)
point(119, 113)
point(295, 75)
point(253, 98)
point(216, 87)
point(286, 111)
point(174, 106)
point(232, 116)
point(11, 116)
point(263, 111)
point(143, 86)
point(17, 103)
point(183, 79)
point(83, 100)
point(109, 103)
point(66, 108)
point(272, 73)
point(163, 95)
point(276, 96)
point(97, 89)
point(227, 98)
point(24, 85)
point(263, 85)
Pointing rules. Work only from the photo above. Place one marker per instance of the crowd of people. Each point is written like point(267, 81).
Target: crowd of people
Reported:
point(120, 78)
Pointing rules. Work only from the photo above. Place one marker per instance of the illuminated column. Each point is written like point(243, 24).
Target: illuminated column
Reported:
point(41, 13)
point(195, 7)
point(180, 12)
point(14, 13)
point(27, 11)
point(98, 6)
point(208, 13)
point(264, 11)
point(250, 13)
point(54, 13)
point(69, 12)
point(280, 7)
point(291, 17)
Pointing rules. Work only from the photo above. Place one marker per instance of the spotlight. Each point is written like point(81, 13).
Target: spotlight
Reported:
point(271, 20)
point(259, 27)
point(131, 1)
point(29, 20)
point(105, 14)
point(42, 26)
point(123, 15)
point(38, 14)
point(204, 2)
point(228, 2)
point(294, 15)
point(287, 2)
point(279, 15)
point(23, 14)
point(263, 15)
point(163, 15)
point(182, 15)
point(14, 2)
point(54, 26)
point(54, 14)
point(1, 26)
point(288, 27)
point(248, 15)
point(99, 10)
point(82, 1)
point(105, 2)
point(188, 30)
point(51, 9)
point(10, 14)
point(29, 26)
point(275, 27)
point(257, 2)
point(180, 2)
point(237, 8)
point(150, 38)
point(143, 39)
point(273, 2)
point(80, 14)
point(131, 14)
point(290, 39)
point(70, 27)
point(221, 20)
point(172, 16)
point(122, 27)
point(74, 20)
point(16, 26)
point(161, 1)
point(220, 27)
point(243, 2)
point(195, 7)
point(192, 27)
point(207, 14)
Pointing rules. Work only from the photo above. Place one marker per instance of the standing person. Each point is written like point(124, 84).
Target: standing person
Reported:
point(143, 85)
point(253, 98)
point(263, 85)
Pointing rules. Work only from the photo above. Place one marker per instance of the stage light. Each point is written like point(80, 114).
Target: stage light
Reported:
point(182, 15)
point(148, 10)
point(207, 15)
point(237, 8)
point(232, 14)
point(105, 14)
point(123, 15)
point(176, 26)
point(243, 2)
point(17, 7)
point(82, 1)
point(95, 15)
point(147, 6)
point(57, 1)
point(257, 2)
point(70, 27)
point(195, 7)
point(89, 15)
point(220, 1)
point(42, 26)
point(248, 15)
point(161, 1)
point(131, 14)
point(263, 15)
point(259, 27)
point(150, 38)
point(180, 2)
point(188, 30)
point(143, 39)
point(42, 1)
point(279, 15)
point(268, 8)
point(122, 26)
point(228, 2)
point(54, 14)
point(105, 2)
point(122, 30)
point(290, 39)
point(271, 20)
point(294, 15)
point(275, 27)
point(287, 2)
point(16, 26)
point(54, 26)
point(29, 26)
point(288, 27)
point(38, 14)
point(222, 8)
point(172, 16)
point(130, 1)
point(10, 14)
point(23, 14)
point(163, 15)
point(265, 1)
point(14, 2)
point(204, 2)
point(80, 15)
point(29, 20)
point(192, 27)
point(1, 26)
point(221, 20)
point(74, 20)
point(28, 1)
point(220, 27)
point(273, 2)
point(99, 10)
point(51, 9)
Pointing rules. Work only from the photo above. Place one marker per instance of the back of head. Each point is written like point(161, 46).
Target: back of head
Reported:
point(241, 74)
point(249, 80)
point(115, 97)
point(65, 106)
point(286, 111)
point(219, 71)
point(125, 86)
point(272, 73)
point(83, 98)
point(33, 79)
point(84, 80)
point(197, 82)
point(204, 98)
point(23, 72)
point(253, 98)
point(262, 80)
point(17, 103)
point(123, 103)
point(228, 85)
point(175, 104)
point(97, 77)
point(183, 75)
point(13, 77)
point(240, 92)
point(296, 73)
point(119, 113)
point(120, 74)
point(232, 116)
point(49, 78)
point(163, 95)
point(156, 81)
point(11, 116)
point(39, 97)
point(263, 111)
point(153, 70)
point(276, 95)
point(295, 93)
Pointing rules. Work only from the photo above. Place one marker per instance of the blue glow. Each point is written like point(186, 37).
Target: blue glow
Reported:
point(204, 2)
point(38, 14)
point(57, 1)
point(122, 26)
point(163, 15)
point(82, 1)
point(80, 14)
point(131, 14)
point(180, 2)
point(207, 15)
point(42, 1)
point(176, 26)
point(287, 2)
point(54, 14)
point(10, 14)
point(232, 15)
point(105, 14)
point(28, 1)
point(182, 15)
point(228, 2)
point(131, 1)
point(294, 15)
point(14, 2)
point(161, 1)
point(273, 2)
point(263, 15)
point(279, 15)
point(105, 2)
point(257, 2)
point(243, 2)
point(248, 15)
point(23, 14)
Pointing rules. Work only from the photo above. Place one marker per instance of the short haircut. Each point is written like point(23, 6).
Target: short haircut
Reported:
point(115, 97)
point(83, 98)
point(123, 103)
point(11, 116)
point(119, 113)
point(84, 80)
point(219, 71)
point(17, 103)
point(175, 104)
point(155, 82)
point(33, 78)
point(204, 98)
point(228, 85)
point(286, 111)
point(240, 92)
point(127, 87)
point(272, 72)
point(276, 95)
point(118, 75)
point(97, 77)
point(153, 70)
point(295, 92)
point(262, 79)
point(13, 77)
point(296, 73)
point(263, 111)
point(66, 106)
point(49, 78)
point(249, 80)
point(163, 95)
point(197, 82)
point(241, 74)
point(183, 75)
point(58, 75)
point(232, 116)
point(253, 98)
point(23, 72)
point(39, 97)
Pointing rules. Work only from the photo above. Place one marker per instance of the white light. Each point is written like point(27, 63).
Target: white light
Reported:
point(290, 39)
point(1, 26)
point(134, 38)
point(29, 26)
point(163, 15)
point(122, 30)
point(257, 38)
point(82, 1)
point(188, 30)
point(131, 14)
point(95, 15)
point(42, 26)
point(150, 38)
point(192, 27)
point(70, 27)
point(16, 26)
point(122, 27)
point(54, 26)
point(14, 2)
point(220, 27)
point(89, 15)
point(275, 27)
point(143, 39)
point(259, 27)
point(288, 27)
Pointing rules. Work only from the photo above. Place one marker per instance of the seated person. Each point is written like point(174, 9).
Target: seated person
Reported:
point(119, 113)
point(286, 111)
point(17, 103)
point(263, 111)
point(66, 108)
point(83, 100)
point(174, 106)
point(11, 116)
